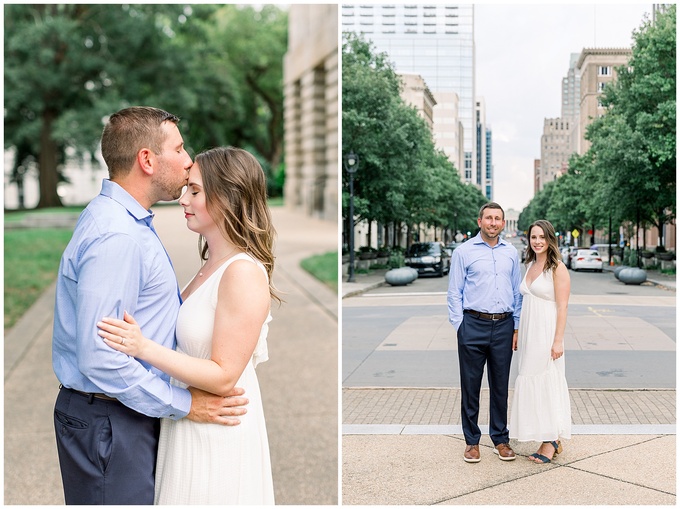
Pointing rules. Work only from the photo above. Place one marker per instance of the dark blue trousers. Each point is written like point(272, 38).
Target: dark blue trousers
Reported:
point(483, 342)
point(107, 451)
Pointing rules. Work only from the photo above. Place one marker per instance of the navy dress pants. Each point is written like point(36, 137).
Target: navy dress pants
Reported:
point(481, 342)
point(107, 451)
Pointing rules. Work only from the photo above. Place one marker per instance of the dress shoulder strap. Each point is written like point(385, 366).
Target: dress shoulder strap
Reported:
point(244, 256)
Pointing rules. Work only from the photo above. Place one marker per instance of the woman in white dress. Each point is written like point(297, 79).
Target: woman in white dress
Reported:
point(221, 336)
point(540, 408)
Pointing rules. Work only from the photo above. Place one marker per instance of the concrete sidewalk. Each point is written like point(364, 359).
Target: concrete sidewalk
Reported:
point(404, 446)
point(299, 383)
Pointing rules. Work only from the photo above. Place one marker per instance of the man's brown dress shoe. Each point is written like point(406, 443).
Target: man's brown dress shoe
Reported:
point(504, 452)
point(472, 454)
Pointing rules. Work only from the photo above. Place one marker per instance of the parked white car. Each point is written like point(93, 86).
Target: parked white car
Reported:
point(567, 253)
point(587, 259)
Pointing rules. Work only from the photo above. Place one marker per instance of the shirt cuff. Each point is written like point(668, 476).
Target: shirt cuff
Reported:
point(181, 403)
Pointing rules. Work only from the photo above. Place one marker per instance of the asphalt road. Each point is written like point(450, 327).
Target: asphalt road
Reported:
point(617, 336)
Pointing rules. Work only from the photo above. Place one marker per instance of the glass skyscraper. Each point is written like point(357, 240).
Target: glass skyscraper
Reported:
point(434, 41)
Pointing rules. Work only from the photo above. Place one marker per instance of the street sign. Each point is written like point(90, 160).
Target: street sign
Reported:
point(574, 233)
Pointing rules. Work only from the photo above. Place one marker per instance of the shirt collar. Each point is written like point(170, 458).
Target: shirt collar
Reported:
point(477, 239)
point(114, 191)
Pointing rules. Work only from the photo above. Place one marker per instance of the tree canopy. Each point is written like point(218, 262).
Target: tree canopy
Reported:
point(403, 177)
point(629, 172)
point(67, 67)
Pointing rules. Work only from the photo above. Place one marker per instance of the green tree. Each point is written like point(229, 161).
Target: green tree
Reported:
point(635, 143)
point(402, 178)
point(69, 66)
point(537, 208)
point(66, 67)
point(242, 74)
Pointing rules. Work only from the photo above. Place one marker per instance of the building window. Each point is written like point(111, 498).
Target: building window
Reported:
point(600, 86)
point(604, 70)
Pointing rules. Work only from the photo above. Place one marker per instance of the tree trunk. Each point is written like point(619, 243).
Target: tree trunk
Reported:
point(659, 226)
point(47, 164)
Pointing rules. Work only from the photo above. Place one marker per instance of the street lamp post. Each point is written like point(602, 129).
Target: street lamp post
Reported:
point(351, 166)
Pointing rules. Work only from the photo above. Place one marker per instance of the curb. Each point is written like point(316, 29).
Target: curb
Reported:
point(359, 291)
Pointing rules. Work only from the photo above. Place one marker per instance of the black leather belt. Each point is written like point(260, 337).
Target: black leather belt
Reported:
point(90, 395)
point(487, 316)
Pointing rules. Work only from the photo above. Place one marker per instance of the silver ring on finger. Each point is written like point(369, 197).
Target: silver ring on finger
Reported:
point(122, 340)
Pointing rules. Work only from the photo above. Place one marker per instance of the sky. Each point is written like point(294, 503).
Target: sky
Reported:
point(522, 54)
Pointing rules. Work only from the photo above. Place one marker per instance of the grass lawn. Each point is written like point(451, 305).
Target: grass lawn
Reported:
point(31, 264)
point(323, 267)
point(18, 215)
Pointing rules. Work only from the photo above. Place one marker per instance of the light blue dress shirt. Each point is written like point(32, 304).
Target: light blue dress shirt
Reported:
point(485, 279)
point(115, 262)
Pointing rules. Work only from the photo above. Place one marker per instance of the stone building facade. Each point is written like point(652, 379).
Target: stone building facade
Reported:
point(415, 93)
point(311, 113)
point(556, 148)
point(597, 67)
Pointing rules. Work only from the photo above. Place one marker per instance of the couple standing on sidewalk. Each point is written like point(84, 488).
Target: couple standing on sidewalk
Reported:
point(496, 312)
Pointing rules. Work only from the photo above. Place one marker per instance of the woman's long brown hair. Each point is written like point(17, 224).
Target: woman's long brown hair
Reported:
point(236, 198)
point(553, 255)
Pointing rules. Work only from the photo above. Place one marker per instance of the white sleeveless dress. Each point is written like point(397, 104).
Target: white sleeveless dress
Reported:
point(540, 408)
point(202, 463)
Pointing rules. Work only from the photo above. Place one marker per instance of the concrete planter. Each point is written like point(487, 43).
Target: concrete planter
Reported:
point(633, 276)
point(665, 265)
point(618, 270)
point(400, 277)
point(648, 262)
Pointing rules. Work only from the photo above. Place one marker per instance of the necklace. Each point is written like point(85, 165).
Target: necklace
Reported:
point(200, 274)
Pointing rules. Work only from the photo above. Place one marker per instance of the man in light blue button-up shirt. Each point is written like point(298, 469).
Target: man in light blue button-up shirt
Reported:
point(484, 304)
point(106, 414)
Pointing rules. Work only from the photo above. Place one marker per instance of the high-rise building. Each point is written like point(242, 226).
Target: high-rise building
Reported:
point(448, 129)
point(488, 180)
point(479, 177)
point(556, 148)
point(537, 175)
point(571, 90)
point(435, 41)
point(597, 68)
point(415, 93)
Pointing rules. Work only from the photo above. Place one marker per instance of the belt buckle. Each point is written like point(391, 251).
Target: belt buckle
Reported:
point(493, 317)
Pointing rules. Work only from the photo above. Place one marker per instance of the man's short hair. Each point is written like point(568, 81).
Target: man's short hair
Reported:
point(491, 205)
point(130, 130)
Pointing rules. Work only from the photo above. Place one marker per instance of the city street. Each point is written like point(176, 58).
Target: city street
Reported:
point(617, 336)
point(402, 436)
